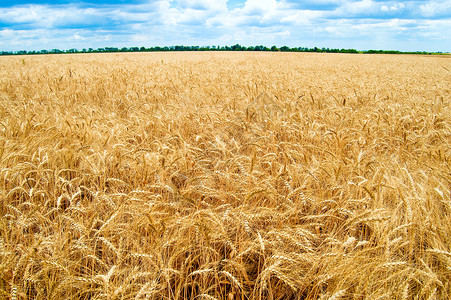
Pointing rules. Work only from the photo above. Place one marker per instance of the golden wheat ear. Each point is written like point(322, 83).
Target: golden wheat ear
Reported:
point(225, 176)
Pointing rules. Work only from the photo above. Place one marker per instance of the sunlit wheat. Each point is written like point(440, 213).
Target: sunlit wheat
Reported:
point(225, 176)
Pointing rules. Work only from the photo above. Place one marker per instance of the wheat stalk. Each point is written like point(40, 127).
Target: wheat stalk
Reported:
point(225, 176)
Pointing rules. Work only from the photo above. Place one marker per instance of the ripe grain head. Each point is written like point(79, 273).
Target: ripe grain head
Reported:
point(225, 175)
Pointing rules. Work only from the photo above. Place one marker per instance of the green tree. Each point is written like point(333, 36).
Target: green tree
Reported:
point(237, 47)
point(284, 48)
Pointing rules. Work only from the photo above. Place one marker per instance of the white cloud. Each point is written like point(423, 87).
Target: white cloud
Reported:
point(40, 16)
point(302, 17)
point(435, 8)
point(258, 7)
point(209, 5)
point(285, 33)
point(21, 14)
point(329, 23)
point(359, 7)
point(394, 7)
point(76, 36)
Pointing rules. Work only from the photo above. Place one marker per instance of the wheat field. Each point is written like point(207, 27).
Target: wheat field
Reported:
point(225, 176)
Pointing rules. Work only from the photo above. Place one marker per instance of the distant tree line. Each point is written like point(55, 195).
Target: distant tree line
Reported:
point(236, 47)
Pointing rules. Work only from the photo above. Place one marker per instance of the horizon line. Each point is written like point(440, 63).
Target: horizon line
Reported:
point(193, 48)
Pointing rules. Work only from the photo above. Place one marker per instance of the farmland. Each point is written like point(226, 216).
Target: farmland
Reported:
point(225, 176)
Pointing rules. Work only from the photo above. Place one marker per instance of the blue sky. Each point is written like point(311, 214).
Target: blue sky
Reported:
point(360, 24)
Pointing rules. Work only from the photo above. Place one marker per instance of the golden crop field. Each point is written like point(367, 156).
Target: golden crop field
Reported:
point(225, 176)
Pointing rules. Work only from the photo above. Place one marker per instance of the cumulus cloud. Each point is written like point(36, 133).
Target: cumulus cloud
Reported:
point(435, 9)
point(40, 16)
point(215, 5)
point(259, 7)
point(76, 36)
point(393, 7)
point(332, 23)
point(363, 8)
